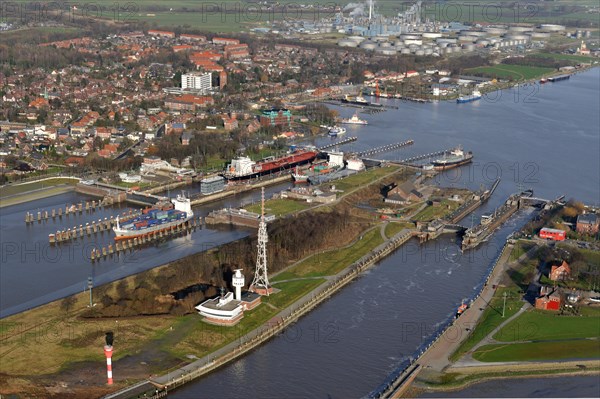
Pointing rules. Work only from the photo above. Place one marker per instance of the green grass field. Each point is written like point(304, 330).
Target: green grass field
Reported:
point(279, 207)
point(540, 325)
point(363, 178)
point(435, 212)
point(13, 189)
point(535, 351)
point(568, 57)
point(510, 72)
point(491, 318)
point(393, 228)
point(331, 262)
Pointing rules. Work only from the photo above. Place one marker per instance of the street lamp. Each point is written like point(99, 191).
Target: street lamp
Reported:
point(90, 284)
point(504, 306)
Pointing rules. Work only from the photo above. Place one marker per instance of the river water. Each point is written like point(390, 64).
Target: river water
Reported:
point(541, 137)
point(546, 138)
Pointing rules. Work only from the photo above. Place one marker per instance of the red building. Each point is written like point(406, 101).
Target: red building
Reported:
point(549, 299)
point(588, 223)
point(553, 234)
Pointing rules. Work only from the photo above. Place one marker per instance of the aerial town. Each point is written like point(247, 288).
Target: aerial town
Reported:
point(181, 185)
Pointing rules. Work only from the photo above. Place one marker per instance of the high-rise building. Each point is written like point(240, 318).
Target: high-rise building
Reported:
point(197, 81)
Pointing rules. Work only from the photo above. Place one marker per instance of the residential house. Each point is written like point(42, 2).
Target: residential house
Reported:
point(588, 223)
point(560, 272)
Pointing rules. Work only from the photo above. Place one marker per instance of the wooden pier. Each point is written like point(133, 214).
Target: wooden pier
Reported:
point(386, 148)
point(88, 229)
point(74, 209)
point(339, 142)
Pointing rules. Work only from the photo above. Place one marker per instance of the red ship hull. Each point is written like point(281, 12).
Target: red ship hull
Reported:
point(280, 164)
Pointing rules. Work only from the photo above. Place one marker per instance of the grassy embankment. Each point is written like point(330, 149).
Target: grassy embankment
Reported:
point(552, 336)
point(20, 193)
point(511, 72)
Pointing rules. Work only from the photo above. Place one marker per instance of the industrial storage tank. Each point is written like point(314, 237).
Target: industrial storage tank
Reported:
point(477, 33)
point(410, 37)
point(552, 27)
point(419, 52)
point(539, 35)
point(495, 31)
point(385, 44)
point(358, 39)
point(468, 47)
point(483, 42)
point(520, 29)
point(431, 35)
point(368, 45)
point(413, 41)
point(347, 43)
point(405, 51)
point(463, 38)
point(445, 40)
point(517, 37)
point(428, 51)
point(386, 51)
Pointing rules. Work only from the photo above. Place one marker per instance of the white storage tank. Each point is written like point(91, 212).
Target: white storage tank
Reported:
point(431, 35)
point(468, 47)
point(368, 45)
point(495, 31)
point(347, 43)
point(520, 29)
point(552, 28)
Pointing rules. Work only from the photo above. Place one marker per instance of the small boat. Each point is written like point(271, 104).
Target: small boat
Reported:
point(355, 120)
point(543, 80)
point(336, 131)
point(461, 309)
point(595, 299)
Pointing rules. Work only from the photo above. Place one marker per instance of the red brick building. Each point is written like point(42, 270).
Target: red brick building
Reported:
point(588, 223)
point(549, 299)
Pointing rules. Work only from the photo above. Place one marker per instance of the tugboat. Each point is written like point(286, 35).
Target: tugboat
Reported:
point(355, 120)
point(336, 131)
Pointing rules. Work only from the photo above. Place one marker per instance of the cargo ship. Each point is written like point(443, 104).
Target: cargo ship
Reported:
point(162, 216)
point(335, 162)
point(355, 120)
point(455, 158)
point(358, 100)
point(476, 95)
point(559, 78)
point(480, 233)
point(244, 168)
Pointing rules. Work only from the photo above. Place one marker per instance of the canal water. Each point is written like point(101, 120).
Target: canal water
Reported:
point(33, 272)
point(540, 137)
point(548, 141)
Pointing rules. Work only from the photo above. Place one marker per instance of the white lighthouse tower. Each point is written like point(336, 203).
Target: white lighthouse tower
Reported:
point(238, 282)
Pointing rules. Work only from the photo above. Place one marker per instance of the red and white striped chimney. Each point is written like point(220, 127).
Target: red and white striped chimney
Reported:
point(108, 350)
